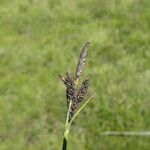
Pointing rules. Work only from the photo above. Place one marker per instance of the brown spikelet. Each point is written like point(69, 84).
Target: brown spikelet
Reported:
point(79, 97)
point(83, 90)
point(82, 61)
point(73, 109)
point(71, 90)
point(70, 87)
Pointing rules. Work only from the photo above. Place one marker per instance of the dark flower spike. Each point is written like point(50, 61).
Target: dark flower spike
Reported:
point(83, 90)
point(80, 95)
point(75, 95)
point(72, 94)
point(82, 61)
point(70, 87)
point(71, 90)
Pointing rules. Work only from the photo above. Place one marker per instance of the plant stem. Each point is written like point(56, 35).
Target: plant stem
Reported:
point(68, 124)
point(64, 147)
point(67, 118)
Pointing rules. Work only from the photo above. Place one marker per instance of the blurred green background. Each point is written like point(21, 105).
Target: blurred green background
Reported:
point(40, 39)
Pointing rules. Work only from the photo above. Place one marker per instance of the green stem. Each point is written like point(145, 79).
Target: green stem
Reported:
point(67, 118)
point(68, 124)
point(64, 147)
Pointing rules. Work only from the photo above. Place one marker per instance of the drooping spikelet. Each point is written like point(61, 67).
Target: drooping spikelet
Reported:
point(70, 87)
point(83, 90)
point(73, 109)
point(82, 61)
point(79, 97)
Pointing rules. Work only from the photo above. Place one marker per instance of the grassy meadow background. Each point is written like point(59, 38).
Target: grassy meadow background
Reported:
point(40, 39)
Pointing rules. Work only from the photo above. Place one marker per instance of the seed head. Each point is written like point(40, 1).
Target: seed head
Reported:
point(79, 97)
point(70, 87)
point(83, 90)
point(74, 95)
point(82, 61)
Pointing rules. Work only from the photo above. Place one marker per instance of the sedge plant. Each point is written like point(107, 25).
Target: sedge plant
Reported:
point(75, 95)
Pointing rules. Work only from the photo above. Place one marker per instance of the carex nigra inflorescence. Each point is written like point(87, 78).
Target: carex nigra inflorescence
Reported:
point(73, 94)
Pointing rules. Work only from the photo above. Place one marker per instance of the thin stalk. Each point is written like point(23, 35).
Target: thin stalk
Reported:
point(64, 147)
point(68, 124)
point(67, 117)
